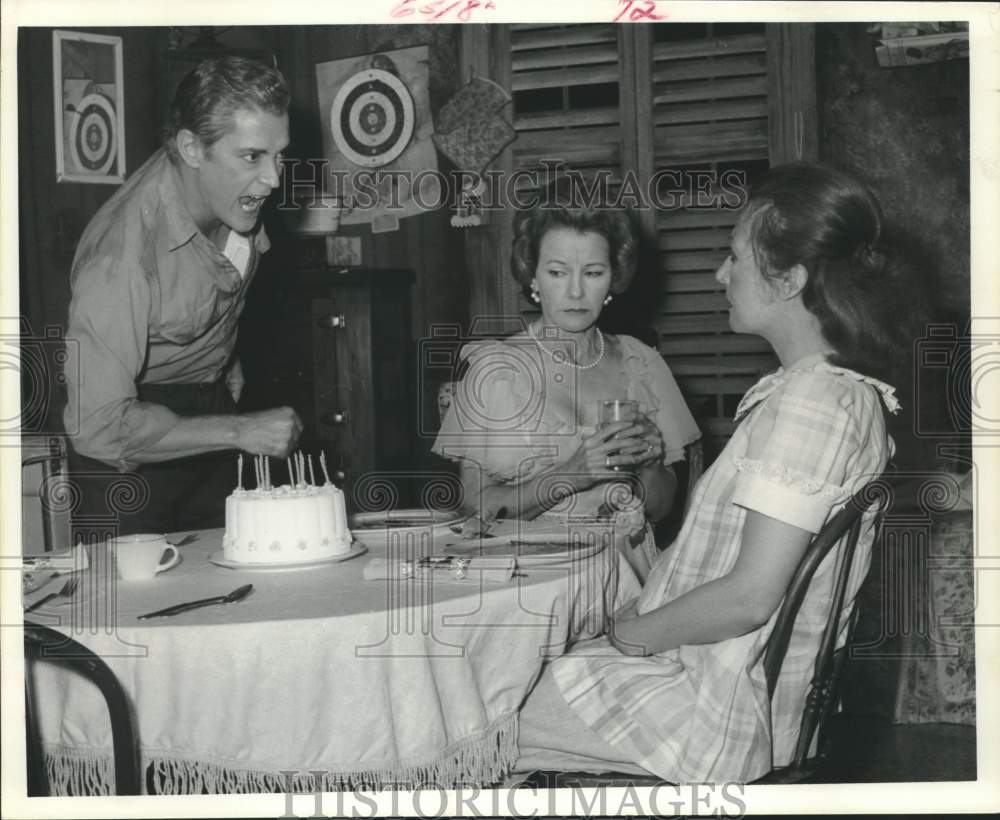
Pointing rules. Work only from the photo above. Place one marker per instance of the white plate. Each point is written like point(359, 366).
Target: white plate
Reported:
point(401, 520)
point(400, 526)
point(529, 551)
point(541, 530)
point(218, 558)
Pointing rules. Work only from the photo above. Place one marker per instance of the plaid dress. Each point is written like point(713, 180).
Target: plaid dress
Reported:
point(810, 436)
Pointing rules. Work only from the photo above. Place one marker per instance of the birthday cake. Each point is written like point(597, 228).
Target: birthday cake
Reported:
point(293, 523)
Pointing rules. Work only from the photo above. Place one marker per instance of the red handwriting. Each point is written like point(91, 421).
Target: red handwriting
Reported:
point(638, 10)
point(438, 9)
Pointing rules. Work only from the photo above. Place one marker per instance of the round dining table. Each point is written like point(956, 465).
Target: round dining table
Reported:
point(340, 675)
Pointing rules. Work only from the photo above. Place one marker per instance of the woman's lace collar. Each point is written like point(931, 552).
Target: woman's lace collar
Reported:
point(816, 363)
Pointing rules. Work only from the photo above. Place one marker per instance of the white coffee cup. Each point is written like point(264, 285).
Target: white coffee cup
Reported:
point(140, 557)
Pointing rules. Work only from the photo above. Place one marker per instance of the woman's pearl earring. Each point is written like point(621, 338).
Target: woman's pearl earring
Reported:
point(607, 299)
point(535, 297)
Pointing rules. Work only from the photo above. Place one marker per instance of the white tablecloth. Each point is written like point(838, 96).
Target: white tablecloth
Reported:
point(372, 684)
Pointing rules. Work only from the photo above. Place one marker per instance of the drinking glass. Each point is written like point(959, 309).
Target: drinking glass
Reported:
point(611, 410)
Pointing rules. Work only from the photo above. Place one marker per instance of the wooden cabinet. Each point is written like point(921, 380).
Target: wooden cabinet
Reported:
point(335, 344)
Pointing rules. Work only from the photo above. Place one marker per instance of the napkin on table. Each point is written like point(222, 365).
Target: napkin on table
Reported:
point(38, 570)
point(71, 560)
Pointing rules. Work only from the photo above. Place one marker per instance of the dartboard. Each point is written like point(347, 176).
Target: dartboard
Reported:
point(372, 118)
point(93, 141)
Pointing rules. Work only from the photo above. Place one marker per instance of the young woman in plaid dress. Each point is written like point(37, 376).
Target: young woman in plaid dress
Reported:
point(677, 688)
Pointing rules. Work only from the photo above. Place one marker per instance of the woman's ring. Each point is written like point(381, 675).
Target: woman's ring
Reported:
point(607, 460)
point(649, 447)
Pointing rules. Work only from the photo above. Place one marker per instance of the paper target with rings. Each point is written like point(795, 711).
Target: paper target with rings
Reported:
point(377, 135)
point(372, 118)
point(93, 142)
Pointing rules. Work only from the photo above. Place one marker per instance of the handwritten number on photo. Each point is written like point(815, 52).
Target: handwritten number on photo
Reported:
point(638, 10)
point(437, 9)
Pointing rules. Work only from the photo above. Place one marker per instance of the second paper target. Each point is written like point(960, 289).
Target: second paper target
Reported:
point(93, 142)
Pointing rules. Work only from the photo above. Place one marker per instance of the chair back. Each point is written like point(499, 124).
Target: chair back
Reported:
point(45, 524)
point(696, 466)
point(42, 644)
point(829, 660)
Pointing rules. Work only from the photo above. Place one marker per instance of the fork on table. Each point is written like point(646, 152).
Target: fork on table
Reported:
point(66, 592)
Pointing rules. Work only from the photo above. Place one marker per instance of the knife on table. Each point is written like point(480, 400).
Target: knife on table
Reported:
point(231, 598)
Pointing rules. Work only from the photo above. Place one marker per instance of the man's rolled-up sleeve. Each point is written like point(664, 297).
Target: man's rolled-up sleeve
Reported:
point(109, 326)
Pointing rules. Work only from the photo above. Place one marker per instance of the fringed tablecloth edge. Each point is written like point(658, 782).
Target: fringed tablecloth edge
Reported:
point(481, 759)
point(75, 772)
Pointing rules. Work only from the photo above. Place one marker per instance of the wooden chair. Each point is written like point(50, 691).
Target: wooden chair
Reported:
point(45, 645)
point(829, 661)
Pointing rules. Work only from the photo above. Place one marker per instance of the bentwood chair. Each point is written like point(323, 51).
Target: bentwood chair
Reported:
point(845, 528)
point(45, 645)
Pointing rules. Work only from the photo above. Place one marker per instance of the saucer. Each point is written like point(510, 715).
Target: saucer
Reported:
point(218, 558)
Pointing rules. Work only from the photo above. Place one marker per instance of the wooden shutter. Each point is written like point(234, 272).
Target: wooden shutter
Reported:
point(709, 117)
point(566, 84)
point(565, 81)
point(566, 87)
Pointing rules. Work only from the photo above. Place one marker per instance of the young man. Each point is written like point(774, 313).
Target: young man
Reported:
point(159, 281)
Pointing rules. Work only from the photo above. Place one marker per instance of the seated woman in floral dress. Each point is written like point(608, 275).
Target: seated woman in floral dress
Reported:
point(677, 688)
point(523, 423)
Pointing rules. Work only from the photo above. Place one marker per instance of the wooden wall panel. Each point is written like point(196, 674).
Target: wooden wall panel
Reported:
point(52, 215)
point(425, 243)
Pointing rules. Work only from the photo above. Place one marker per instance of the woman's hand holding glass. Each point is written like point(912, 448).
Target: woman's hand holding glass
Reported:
point(641, 443)
point(649, 449)
point(600, 452)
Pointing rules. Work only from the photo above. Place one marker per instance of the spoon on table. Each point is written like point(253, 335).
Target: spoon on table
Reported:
point(231, 598)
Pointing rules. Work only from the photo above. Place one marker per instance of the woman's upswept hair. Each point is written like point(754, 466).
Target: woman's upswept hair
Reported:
point(563, 205)
point(214, 90)
point(858, 286)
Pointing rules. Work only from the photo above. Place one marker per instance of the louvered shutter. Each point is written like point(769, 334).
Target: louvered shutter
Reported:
point(566, 85)
point(710, 116)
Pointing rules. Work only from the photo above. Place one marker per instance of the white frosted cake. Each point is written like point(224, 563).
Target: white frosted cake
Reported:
point(286, 524)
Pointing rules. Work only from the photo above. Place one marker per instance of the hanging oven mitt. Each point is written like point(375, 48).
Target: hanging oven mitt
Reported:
point(470, 132)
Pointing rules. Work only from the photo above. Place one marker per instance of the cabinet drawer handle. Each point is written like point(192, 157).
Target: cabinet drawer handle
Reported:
point(335, 417)
point(334, 320)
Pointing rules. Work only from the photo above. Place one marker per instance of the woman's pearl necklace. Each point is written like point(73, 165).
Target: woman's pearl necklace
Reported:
point(562, 358)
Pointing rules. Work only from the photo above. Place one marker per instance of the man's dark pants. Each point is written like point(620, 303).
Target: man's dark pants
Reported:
point(167, 496)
